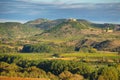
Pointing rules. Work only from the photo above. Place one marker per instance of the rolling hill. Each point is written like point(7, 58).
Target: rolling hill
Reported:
point(69, 29)
point(71, 32)
point(45, 24)
point(17, 30)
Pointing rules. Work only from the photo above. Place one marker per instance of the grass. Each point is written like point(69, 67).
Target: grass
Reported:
point(68, 56)
point(100, 57)
point(91, 55)
point(30, 56)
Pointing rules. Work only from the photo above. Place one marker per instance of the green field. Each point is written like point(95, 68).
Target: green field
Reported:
point(68, 56)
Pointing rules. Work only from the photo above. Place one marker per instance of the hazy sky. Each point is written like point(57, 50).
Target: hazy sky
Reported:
point(92, 10)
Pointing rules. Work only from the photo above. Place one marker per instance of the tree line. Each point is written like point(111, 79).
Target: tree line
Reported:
point(15, 66)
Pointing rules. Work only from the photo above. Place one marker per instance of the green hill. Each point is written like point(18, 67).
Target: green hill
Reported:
point(17, 30)
point(45, 24)
point(69, 29)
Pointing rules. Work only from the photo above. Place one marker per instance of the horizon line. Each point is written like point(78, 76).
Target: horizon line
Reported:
point(25, 21)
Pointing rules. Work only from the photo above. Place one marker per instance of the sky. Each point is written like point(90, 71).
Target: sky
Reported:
point(100, 11)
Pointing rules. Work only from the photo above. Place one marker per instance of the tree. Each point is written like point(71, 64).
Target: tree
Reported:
point(109, 73)
point(65, 75)
point(52, 76)
point(76, 77)
point(35, 72)
point(83, 69)
point(101, 78)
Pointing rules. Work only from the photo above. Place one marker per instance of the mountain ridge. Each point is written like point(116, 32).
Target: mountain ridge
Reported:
point(67, 26)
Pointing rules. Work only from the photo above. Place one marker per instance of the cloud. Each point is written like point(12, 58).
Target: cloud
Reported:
point(40, 4)
point(71, 6)
point(58, 9)
point(73, 1)
point(25, 6)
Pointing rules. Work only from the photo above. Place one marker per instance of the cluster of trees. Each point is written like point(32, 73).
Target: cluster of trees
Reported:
point(58, 48)
point(86, 46)
point(106, 73)
point(47, 48)
point(15, 66)
point(86, 49)
point(13, 70)
point(6, 49)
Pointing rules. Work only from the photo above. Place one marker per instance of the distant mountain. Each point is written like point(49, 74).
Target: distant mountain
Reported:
point(37, 21)
point(70, 28)
point(45, 24)
point(59, 28)
point(17, 30)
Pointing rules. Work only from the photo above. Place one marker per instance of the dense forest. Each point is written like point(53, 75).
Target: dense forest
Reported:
point(15, 66)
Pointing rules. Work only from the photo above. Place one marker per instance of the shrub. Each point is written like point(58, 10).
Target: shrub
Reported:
point(9, 58)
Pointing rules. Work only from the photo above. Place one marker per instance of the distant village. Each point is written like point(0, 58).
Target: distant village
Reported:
point(109, 29)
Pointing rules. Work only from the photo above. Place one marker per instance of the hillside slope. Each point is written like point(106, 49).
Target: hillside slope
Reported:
point(17, 30)
point(70, 29)
point(45, 24)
